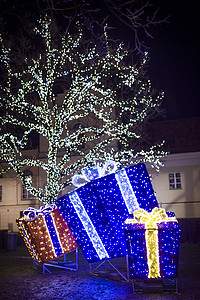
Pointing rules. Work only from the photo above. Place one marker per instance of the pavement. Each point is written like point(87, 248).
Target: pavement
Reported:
point(19, 280)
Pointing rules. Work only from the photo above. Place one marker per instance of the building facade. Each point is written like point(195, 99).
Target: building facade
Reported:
point(14, 198)
point(177, 186)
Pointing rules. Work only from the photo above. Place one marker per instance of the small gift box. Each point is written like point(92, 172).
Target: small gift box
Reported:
point(46, 234)
point(96, 210)
point(153, 244)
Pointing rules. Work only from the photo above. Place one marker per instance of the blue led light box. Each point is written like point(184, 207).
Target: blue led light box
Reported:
point(160, 258)
point(96, 211)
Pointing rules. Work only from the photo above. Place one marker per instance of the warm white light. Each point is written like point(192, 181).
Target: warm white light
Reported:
point(96, 88)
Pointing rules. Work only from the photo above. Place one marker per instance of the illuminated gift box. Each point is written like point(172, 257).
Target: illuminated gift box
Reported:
point(46, 233)
point(153, 244)
point(96, 211)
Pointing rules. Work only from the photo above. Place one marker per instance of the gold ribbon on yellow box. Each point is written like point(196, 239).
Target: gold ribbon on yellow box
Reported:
point(150, 220)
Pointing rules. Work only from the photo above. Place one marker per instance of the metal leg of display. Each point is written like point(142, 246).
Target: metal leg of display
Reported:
point(96, 269)
point(62, 264)
point(167, 285)
point(171, 285)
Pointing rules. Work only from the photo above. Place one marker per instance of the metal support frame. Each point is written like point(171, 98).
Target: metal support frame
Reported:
point(94, 271)
point(168, 285)
point(64, 264)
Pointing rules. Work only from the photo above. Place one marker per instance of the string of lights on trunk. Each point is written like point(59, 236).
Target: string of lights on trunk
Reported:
point(89, 93)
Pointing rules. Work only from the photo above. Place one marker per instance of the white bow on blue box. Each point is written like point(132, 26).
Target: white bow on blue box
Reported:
point(93, 173)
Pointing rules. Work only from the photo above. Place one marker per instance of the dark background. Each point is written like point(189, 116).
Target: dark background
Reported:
point(174, 52)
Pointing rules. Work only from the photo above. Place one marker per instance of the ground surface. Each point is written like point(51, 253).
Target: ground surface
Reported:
point(19, 280)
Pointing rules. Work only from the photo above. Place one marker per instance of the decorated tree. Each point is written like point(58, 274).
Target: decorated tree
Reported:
point(135, 18)
point(101, 116)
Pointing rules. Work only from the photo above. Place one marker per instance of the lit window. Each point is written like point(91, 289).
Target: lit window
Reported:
point(26, 194)
point(175, 181)
point(0, 193)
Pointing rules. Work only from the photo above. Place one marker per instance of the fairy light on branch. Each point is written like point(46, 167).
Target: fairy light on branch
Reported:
point(95, 82)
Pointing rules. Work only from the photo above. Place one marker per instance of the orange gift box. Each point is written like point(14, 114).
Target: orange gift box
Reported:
point(46, 233)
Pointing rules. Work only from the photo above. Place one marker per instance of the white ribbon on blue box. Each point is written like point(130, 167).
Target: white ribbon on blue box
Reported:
point(97, 209)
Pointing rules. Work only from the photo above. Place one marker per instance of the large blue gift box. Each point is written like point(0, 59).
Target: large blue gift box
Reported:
point(96, 211)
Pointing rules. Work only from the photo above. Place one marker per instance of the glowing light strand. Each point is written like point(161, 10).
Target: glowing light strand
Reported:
point(88, 225)
point(127, 191)
point(89, 94)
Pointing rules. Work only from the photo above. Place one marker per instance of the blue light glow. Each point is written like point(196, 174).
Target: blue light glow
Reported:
point(102, 200)
point(57, 247)
point(168, 242)
point(89, 227)
point(169, 237)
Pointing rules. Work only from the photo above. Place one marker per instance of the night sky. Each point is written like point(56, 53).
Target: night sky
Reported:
point(174, 55)
point(174, 52)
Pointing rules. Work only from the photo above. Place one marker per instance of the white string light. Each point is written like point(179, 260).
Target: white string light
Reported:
point(89, 94)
